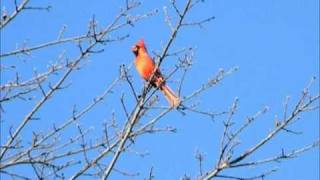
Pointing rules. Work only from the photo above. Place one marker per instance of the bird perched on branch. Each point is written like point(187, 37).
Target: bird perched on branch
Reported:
point(146, 68)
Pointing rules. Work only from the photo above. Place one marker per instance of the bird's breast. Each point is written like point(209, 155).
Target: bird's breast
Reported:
point(145, 67)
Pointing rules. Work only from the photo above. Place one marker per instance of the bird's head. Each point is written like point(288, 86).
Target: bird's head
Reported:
point(139, 45)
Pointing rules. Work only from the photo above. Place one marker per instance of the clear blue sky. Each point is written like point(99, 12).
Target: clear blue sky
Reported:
point(274, 43)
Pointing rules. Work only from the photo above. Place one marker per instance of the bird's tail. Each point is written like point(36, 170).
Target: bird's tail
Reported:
point(172, 98)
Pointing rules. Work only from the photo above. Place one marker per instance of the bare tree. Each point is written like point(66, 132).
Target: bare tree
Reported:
point(49, 154)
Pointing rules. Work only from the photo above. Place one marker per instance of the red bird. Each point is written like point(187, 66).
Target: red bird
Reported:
point(146, 66)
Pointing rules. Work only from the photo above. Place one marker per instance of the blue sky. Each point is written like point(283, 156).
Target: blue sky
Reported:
point(275, 44)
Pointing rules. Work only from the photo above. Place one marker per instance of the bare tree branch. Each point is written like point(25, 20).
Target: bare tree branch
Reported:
point(302, 105)
point(18, 9)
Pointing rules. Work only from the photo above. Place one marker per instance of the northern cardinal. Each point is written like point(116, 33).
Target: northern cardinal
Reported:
point(146, 67)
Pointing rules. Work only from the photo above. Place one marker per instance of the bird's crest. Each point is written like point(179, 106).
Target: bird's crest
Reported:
point(140, 43)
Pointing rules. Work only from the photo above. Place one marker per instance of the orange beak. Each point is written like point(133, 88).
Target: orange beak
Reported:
point(134, 49)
